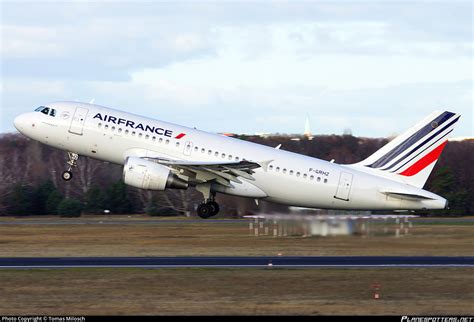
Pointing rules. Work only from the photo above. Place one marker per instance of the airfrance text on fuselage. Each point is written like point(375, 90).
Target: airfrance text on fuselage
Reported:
point(139, 126)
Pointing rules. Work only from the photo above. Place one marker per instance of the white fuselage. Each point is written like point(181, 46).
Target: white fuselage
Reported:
point(290, 178)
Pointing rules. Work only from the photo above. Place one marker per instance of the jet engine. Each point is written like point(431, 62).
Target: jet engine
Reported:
point(144, 174)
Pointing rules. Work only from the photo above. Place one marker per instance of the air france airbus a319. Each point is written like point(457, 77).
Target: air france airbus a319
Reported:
point(157, 155)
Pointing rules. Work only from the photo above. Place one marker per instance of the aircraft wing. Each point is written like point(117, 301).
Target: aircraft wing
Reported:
point(196, 172)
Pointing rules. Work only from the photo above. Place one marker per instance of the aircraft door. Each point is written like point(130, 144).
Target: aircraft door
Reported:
point(188, 148)
point(344, 186)
point(78, 120)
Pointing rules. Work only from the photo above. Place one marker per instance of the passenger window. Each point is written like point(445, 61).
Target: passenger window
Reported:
point(305, 176)
point(196, 148)
point(223, 155)
point(271, 167)
point(154, 138)
point(236, 158)
point(284, 170)
point(216, 154)
point(160, 140)
point(203, 150)
point(277, 169)
point(319, 179)
point(311, 178)
point(147, 136)
point(167, 141)
point(298, 174)
point(230, 157)
point(177, 144)
point(209, 152)
point(291, 172)
point(120, 130)
point(325, 180)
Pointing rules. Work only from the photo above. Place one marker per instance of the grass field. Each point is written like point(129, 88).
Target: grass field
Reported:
point(182, 238)
point(275, 291)
point(236, 291)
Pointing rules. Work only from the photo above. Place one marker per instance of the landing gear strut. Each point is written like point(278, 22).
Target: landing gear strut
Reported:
point(67, 175)
point(209, 207)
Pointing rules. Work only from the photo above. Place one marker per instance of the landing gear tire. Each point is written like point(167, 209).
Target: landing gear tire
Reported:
point(67, 175)
point(73, 157)
point(205, 210)
point(208, 209)
point(214, 206)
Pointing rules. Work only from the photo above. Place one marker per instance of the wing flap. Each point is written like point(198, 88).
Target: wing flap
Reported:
point(223, 173)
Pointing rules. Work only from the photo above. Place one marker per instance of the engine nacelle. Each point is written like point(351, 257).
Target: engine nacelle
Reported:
point(144, 174)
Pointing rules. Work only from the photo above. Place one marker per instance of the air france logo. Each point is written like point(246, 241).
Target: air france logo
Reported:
point(137, 126)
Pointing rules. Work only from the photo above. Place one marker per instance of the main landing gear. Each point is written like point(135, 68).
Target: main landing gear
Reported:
point(67, 175)
point(209, 207)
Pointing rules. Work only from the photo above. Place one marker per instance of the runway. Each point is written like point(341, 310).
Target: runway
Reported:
point(235, 262)
point(122, 222)
point(161, 221)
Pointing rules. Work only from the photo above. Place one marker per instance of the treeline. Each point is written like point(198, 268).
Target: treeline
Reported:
point(31, 184)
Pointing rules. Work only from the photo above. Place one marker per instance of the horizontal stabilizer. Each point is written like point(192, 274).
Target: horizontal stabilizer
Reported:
point(403, 195)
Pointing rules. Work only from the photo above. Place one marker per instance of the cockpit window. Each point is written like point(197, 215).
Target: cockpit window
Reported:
point(46, 110)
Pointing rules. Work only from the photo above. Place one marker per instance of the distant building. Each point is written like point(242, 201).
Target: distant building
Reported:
point(263, 134)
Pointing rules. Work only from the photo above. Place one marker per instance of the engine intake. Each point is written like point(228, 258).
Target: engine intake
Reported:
point(144, 174)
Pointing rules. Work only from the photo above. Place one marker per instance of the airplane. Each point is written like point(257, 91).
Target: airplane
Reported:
point(157, 155)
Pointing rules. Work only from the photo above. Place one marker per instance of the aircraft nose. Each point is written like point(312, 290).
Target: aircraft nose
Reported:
point(20, 122)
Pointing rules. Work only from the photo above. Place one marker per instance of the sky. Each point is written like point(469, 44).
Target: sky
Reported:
point(372, 67)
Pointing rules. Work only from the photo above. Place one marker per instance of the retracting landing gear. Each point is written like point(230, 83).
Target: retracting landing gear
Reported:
point(67, 175)
point(209, 207)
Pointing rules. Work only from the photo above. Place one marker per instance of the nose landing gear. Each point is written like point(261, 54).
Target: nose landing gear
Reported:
point(67, 175)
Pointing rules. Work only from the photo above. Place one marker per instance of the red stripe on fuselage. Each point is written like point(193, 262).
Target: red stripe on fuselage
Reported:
point(180, 135)
point(424, 162)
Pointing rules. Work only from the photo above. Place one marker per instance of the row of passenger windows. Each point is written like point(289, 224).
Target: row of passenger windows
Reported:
point(133, 133)
point(216, 154)
point(209, 152)
point(167, 141)
point(297, 174)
